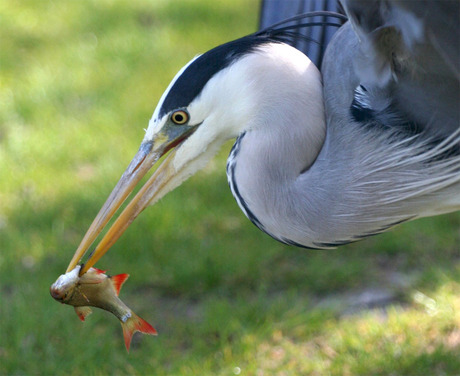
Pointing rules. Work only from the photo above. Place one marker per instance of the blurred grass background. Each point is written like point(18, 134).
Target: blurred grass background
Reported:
point(79, 81)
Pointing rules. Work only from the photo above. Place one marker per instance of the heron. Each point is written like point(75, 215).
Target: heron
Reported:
point(321, 158)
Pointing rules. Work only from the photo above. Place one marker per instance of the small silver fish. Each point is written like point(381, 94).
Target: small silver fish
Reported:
point(97, 289)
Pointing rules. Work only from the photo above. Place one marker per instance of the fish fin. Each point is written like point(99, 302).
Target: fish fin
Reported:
point(93, 276)
point(83, 312)
point(135, 324)
point(118, 281)
point(98, 270)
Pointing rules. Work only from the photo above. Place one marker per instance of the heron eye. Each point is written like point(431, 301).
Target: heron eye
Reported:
point(179, 117)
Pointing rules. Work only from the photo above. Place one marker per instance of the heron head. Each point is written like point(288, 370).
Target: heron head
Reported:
point(212, 99)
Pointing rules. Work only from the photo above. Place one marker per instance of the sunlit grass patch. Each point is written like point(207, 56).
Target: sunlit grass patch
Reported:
point(415, 339)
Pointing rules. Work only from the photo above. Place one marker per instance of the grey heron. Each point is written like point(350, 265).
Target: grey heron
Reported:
point(320, 159)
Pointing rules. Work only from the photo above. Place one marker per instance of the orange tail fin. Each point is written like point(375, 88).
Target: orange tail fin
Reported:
point(135, 324)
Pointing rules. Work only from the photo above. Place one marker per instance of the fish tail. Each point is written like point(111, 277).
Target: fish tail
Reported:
point(134, 324)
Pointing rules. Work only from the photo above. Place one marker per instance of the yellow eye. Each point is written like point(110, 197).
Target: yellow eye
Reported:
point(179, 117)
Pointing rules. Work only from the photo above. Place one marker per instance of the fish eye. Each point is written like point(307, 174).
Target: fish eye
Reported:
point(180, 117)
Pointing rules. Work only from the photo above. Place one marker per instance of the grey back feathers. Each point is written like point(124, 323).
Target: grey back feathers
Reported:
point(311, 40)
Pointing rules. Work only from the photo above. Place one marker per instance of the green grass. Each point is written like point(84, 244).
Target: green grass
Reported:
point(79, 81)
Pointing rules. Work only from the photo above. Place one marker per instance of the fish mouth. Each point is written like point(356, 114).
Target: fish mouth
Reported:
point(59, 289)
point(57, 294)
point(148, 154)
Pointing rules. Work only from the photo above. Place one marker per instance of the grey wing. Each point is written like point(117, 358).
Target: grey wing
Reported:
point(403, 68)
point(409, 60)
point(273, 11)
point(434, 22)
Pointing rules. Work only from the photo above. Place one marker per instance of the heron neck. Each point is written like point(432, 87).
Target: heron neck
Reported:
point(276, 149)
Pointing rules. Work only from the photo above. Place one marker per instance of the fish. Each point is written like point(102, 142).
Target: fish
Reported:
point(95, 288)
